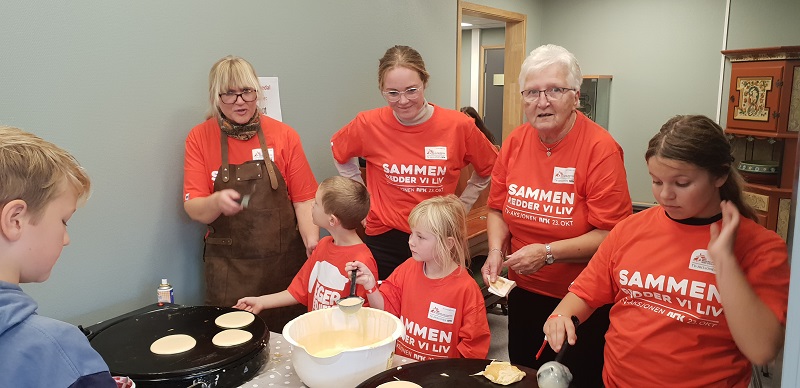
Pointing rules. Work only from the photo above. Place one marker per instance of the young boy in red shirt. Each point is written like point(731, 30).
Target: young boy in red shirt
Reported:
point(339, 206)
point(41, 187)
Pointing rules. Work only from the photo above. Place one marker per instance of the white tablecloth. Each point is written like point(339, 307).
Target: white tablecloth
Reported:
point(278, 370)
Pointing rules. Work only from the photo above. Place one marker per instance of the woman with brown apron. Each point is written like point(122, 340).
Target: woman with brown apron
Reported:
point(247, 177)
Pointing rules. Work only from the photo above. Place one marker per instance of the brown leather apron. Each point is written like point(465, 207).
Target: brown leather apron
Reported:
point(258, 250)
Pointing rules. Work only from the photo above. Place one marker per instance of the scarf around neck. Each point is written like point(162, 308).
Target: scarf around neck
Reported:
point(240, 131)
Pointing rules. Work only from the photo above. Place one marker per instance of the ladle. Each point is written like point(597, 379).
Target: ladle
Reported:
point(353, 302)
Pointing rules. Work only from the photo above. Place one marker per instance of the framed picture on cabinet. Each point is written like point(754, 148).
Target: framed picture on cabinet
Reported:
point(753, 98)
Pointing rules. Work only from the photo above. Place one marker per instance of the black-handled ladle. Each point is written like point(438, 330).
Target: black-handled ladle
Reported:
point(353, 302)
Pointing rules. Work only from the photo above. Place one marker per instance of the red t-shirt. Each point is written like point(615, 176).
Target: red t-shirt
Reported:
point(204, 157)
point(668, 327)
point(580, 187)
point(322, 280)
point(408, 164)
point(444, 318)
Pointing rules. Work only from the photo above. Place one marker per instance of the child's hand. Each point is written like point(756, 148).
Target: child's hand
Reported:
point(364, 276)
point(250, 303)
point(720, 246)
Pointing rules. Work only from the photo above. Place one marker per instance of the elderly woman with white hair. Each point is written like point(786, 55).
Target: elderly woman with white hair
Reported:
point(558, 187)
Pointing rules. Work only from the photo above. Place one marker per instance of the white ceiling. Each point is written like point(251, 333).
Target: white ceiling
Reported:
point(479, 22)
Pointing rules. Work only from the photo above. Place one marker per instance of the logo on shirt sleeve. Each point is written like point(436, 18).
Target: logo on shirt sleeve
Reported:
point(700, 261)
point(441, 313)
point(435, 153)
point(564, 175)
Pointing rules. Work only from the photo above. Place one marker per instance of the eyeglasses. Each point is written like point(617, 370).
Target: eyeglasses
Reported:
point(247, 95)
point(394, 95)
point(554, 93)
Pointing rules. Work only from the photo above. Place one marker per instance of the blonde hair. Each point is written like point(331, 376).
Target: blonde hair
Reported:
point(402, 56)
point(230, 72)
point(346, 199)
point(445, 217)
point(32, 169)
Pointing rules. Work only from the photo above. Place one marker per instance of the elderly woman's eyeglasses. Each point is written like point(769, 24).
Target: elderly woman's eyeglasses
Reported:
point(551, 94)
point(394, 95)
point(247, 95)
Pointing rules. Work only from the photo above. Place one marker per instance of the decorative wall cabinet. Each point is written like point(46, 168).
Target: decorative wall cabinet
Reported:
point(763, 125)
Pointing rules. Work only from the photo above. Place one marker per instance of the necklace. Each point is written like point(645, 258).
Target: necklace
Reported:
point(549, 149)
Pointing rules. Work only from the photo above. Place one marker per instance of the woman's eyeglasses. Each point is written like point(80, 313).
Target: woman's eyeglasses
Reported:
point(554, 93)
point(394, 95)
point(247, 95)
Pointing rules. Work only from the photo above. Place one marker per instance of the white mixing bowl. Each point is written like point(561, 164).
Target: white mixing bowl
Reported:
point(332, 349)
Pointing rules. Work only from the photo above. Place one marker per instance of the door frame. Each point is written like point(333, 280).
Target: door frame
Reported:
point(514, 55)
point(482, 76)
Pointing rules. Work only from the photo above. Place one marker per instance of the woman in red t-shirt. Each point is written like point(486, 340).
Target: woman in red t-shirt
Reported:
point(414, 150)
point(558, 187)
point(699, 288)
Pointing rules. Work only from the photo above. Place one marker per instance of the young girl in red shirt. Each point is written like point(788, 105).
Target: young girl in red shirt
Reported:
point(432, 292)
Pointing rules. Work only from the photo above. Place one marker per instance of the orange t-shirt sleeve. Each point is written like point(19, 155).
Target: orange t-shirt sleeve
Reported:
point(766, 269)
point(608, 198)
point(346, 143)
point(474, 336)
point(392, 290)
point(481, 153)
point(300, 180)
point(595, 284)
point(195, 181)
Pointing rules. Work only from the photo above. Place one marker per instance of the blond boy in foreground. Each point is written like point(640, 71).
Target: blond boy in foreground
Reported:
point(40, 187)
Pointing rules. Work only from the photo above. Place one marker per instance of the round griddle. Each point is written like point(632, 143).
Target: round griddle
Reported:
point(451, 372)
point(125, 345)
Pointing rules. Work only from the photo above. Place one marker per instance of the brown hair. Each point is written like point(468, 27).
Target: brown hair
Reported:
point(698, 140)
point(230, 72)
point(445, 217)
point(34, 170)
point(346, 199)
point(402, 56)
point(471, 112)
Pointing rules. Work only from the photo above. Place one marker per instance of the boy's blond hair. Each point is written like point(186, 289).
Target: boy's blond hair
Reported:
point(346, 199)
point(445, 217)
point(32, 169)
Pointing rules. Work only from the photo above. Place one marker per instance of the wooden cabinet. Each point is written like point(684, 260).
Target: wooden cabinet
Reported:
point(763, 124)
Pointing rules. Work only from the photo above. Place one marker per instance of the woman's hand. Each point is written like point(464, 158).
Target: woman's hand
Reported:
point(720, 246)
point(491, 268)
point(364, 276)
point(227, 201)
point(558, 328)
point(527, 260)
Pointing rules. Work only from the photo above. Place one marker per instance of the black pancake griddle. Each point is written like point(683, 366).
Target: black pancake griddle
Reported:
point(124, 343)
point(451, 372)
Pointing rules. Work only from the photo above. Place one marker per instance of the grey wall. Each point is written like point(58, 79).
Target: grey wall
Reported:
point(121, 83)
point(662, 65)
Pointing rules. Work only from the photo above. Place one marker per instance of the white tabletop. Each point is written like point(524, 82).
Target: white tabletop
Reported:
point(278, 370)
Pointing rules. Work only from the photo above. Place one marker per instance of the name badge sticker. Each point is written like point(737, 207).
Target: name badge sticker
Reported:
point(564, 175)
point(258, 155)
point(701, 262)
point(436, 153)
point(441, 313)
